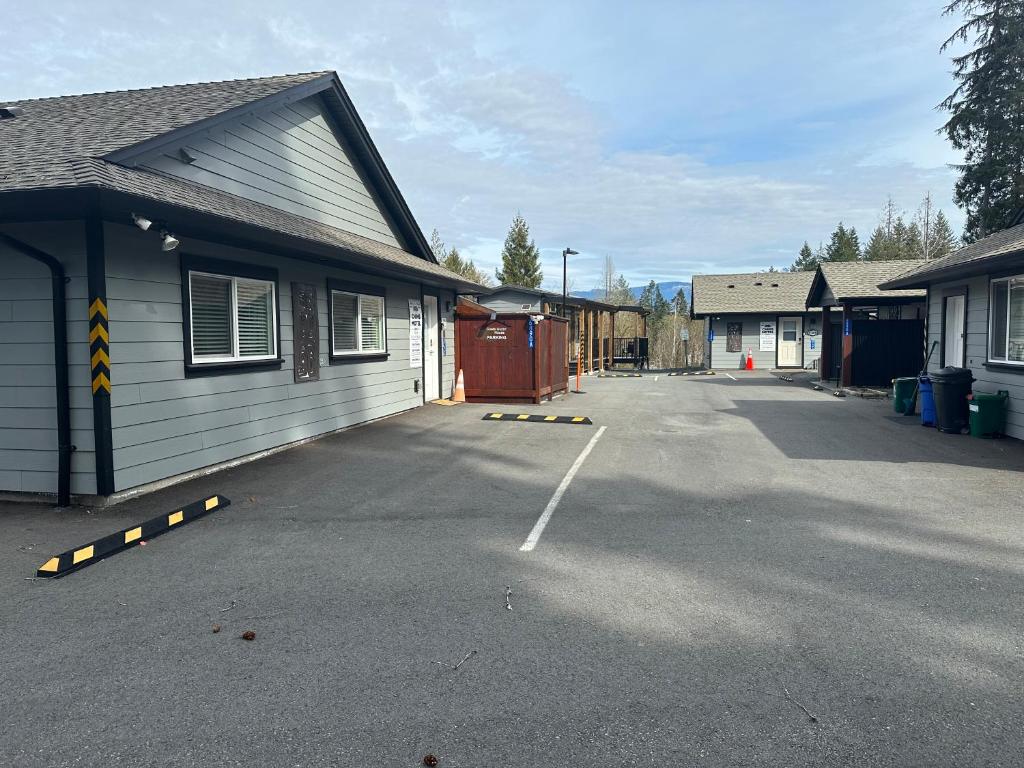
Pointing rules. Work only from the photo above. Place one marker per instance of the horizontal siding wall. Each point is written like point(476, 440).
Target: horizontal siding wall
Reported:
point(289, 158)
point(28, 399)
point(986, 380)
point(752, 341)
point(165, 424)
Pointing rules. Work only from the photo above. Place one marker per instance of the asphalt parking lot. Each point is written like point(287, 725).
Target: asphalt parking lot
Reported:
point(732, 557)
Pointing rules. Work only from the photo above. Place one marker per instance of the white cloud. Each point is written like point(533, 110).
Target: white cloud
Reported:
point(669, 146)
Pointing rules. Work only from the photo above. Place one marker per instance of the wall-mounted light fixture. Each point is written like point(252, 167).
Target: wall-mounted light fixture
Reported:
point(169, 241)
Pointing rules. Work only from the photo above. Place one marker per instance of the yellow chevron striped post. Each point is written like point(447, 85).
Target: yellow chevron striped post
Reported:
point(99, 346)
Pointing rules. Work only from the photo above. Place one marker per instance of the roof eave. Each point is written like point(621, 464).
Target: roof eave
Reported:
point(980, 266)
point(115, 205)
point(374, 163)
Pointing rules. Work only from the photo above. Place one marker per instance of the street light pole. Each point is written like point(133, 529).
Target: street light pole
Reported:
point(565, 260)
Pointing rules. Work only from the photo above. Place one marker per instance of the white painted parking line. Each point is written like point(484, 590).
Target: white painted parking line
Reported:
point(542, 521)
point(731, 376)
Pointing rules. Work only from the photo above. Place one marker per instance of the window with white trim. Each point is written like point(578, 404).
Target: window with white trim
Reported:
point(1006, 320)
point(357, 324)
point(233, 319)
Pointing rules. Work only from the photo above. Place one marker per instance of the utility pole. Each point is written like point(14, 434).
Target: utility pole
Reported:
point(927, 224)
point(565, 283)
point(675, 330)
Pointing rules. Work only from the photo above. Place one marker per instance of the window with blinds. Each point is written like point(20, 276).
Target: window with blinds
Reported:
point(1006, 321)
point(345, 309)
point(232, 318)
point(371, 323)
point(357, 323)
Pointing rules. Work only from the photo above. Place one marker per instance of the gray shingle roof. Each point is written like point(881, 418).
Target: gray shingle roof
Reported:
point(861, 279)
point(769, 292)
point(572, 301)
point(37, 147)
point(1004, 243)
point(59, 143)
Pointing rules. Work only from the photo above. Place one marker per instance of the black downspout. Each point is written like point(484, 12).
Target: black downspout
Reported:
point(60, 363)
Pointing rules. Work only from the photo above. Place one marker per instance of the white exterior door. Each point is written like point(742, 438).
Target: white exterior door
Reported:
point(953, 343)
point(791, 331)
point(431, 350)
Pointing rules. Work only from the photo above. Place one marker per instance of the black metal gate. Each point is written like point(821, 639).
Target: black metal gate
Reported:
point(885, 349)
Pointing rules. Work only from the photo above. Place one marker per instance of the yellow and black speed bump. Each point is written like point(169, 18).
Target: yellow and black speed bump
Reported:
point(537, 417)
point(87, 554)
point(693, 373)
point(620, 376)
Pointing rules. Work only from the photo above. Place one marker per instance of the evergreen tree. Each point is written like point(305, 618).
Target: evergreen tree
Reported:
point(806, 261)
point(652, 300)
point(912, 246)
point(454, 262)
point(520, 259)
point(941, 241)
point(843, 245)
point(437, 246)
point(678, 303)
point(987, 113)
point(451, 259)
point(898, 239)
point(877, 248)
point(465, 267)
point(621, 293)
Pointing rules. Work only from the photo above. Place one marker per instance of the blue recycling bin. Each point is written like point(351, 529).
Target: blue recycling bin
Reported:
point(927, 401)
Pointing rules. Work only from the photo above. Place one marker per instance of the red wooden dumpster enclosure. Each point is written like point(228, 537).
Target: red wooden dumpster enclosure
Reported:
point(510, 357)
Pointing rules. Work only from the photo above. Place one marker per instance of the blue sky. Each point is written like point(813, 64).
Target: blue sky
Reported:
point(675, 137)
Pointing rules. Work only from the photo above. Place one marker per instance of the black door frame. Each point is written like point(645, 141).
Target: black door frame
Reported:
point(960, 290)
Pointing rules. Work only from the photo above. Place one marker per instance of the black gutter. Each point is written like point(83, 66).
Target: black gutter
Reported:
point(60, 363)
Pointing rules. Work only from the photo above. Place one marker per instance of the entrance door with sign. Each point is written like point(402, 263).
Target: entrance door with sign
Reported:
point(431, 349)
point(790, 342)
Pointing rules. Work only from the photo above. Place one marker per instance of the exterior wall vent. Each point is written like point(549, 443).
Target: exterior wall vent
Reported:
point(9, 113)
point(730, 286)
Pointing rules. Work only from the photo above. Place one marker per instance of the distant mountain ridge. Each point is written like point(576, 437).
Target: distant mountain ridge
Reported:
point(668, 290)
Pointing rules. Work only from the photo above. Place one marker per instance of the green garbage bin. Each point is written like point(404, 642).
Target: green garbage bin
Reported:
point(988, 413)
point(902, 393)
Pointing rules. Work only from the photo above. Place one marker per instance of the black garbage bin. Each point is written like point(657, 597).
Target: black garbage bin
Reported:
point(950, 387)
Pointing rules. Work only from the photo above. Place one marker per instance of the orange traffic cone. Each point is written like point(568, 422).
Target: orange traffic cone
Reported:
point(460, 389)
point(750, 359)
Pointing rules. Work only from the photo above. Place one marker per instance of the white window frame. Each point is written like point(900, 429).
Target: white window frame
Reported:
point(991, 305)
point(234, 357)
point(359, 351)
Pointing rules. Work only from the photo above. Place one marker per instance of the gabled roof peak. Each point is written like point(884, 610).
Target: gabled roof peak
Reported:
point(268, 79)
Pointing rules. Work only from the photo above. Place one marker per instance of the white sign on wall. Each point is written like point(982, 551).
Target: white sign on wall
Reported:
point(415, 333)
point(768, 336)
